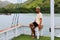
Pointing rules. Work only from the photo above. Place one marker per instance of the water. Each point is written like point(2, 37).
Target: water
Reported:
point(26, 19)
point(57, 19)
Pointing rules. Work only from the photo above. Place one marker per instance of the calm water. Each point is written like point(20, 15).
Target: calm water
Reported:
point(25, 19)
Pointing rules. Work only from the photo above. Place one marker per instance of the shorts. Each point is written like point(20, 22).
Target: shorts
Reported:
point(35, 24)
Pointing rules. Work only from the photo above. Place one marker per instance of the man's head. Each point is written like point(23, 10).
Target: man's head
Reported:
point(37, 9)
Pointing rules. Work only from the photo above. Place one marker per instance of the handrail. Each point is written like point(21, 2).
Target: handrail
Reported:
point(57, 27)
point(7, 32)
point(7, 29)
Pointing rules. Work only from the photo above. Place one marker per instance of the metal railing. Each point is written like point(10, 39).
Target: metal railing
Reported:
point(15, 31)
point(10, 33)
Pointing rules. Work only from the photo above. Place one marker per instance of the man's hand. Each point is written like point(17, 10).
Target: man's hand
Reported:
point(39, 27)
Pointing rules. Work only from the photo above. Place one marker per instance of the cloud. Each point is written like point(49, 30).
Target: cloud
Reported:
point(3, 0)
point(15, 1)
point(12, 1)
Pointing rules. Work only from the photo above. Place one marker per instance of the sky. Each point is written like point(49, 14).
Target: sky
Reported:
point(15, 1)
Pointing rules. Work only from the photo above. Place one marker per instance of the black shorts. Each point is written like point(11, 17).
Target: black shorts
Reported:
point(35, 24)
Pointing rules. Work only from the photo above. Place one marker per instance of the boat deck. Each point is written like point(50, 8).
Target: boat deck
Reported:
point(28, 37)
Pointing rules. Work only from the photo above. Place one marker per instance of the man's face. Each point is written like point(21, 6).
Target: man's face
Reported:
point(37, 10)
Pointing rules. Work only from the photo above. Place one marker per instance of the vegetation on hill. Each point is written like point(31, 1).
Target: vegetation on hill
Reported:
point(57, 6)
point(29, 7)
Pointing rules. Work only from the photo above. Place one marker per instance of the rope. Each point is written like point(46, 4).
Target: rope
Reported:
point(15, 20)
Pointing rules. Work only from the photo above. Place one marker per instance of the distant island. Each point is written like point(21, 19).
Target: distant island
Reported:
point(28, 6)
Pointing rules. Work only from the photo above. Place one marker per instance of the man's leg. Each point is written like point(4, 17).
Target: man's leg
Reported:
point(32, 29)
point(37, 32)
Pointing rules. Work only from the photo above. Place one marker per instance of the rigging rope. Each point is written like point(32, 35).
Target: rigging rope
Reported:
point(15, 20)
point(16, 16)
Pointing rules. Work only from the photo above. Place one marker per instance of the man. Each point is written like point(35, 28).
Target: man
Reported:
point(37, 23)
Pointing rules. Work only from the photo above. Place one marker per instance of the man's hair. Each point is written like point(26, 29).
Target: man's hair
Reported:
point(37, 7)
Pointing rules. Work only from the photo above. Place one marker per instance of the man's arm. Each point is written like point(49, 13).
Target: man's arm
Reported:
point(40, 21)
point(39, 26)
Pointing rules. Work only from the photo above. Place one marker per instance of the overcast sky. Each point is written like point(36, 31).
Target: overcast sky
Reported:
point(15, 1)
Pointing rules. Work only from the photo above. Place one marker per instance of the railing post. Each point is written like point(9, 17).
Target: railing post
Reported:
point(52, 18)
point(15, 32)
point(41, 33)
point(6, 35)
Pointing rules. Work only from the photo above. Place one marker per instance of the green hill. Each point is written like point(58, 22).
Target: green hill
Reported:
point(29, 7)
point(40, 3)
point(57, 6)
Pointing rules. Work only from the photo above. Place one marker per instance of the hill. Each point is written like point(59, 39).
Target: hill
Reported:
point(4, 3)
point(29, 6)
